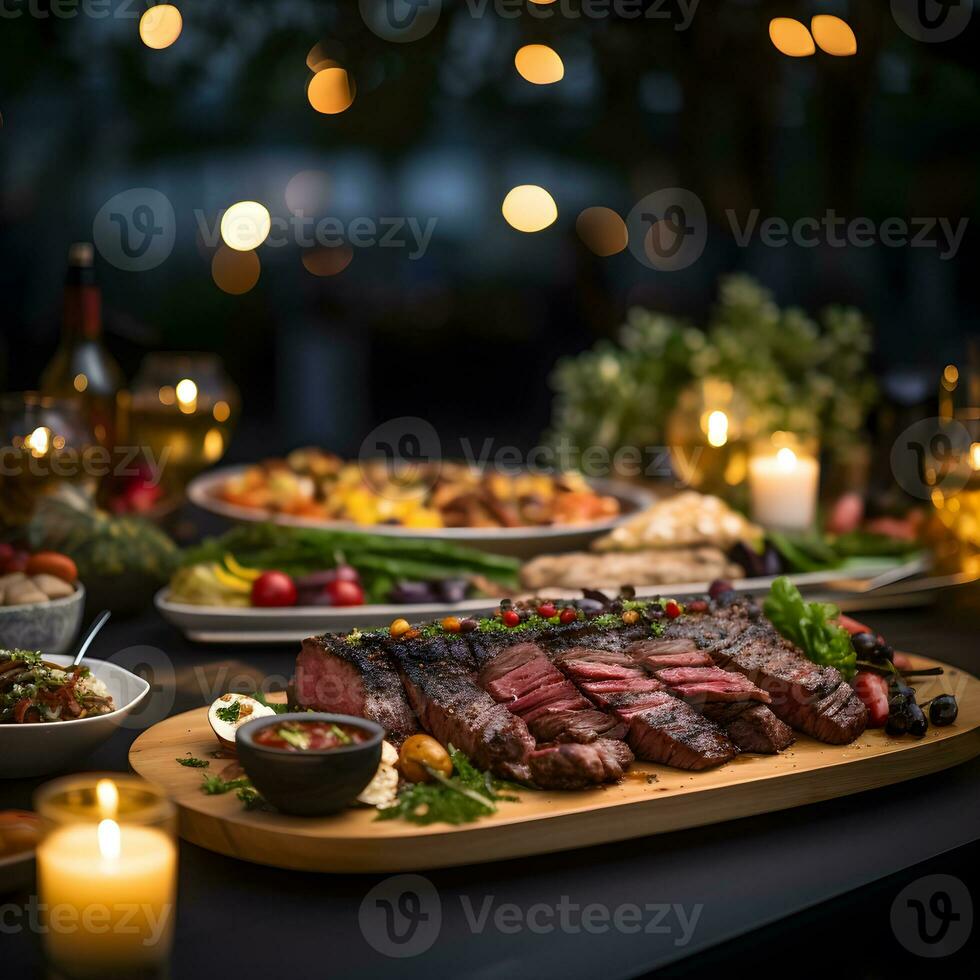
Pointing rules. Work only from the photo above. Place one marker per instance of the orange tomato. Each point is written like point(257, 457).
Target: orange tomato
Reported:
point(52, 563)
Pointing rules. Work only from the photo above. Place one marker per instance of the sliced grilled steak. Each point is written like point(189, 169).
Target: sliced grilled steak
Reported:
point(353, 679)
point(524, 680)
point(662, 728)
point(751, 726)
point(439, 676)
point(656, 654)
point(700, 685)
point(570, 765)
point(813, 699)
point(665, 729)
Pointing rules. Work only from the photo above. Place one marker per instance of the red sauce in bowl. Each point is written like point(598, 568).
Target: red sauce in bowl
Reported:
point(310, 736)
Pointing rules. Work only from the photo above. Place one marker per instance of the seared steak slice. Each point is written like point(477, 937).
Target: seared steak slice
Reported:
point(357, 679)
point(667, 730)
point(811, 698)
point(440, 679)
point(703, 684)
point(571, 765)
point(602, 691)
point(751, 726)
point(662, 728)
point(524, 680)
point(656, 654)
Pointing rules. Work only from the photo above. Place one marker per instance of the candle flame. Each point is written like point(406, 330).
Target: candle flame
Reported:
point(108, 796)
point(786, 458)
point(110, 840)
point(975, 455)
point(717, 429)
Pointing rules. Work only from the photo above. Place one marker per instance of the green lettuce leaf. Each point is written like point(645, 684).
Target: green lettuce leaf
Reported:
point(809, 625)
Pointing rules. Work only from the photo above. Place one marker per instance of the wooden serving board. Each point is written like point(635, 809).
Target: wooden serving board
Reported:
point(652, 799)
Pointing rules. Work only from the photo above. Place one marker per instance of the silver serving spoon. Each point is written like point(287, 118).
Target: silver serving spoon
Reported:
point(93, 631)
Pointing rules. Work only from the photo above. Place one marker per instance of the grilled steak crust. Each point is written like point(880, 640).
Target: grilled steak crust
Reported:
point(353, 679)
point(439, 676)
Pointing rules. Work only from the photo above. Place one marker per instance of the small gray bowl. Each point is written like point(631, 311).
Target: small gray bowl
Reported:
point(50, 627)
point(311, 783)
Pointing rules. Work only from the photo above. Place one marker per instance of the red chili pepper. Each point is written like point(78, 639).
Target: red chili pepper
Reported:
point(20, 710)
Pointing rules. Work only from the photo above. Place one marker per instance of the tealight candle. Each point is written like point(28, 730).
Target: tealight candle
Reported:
point(784, 478)
point(107, 877)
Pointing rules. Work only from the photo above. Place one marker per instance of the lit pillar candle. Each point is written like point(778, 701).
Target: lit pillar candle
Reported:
point(108, 886)
point(783, 485)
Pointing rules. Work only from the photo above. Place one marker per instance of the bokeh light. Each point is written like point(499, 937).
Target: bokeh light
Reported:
point(308, 193)
point(328, 261)
point(529, 208)
point(833, 35)
point(602, 230)
point(160, 26)
point(235, 272)
point(539, 64)
point(331, 90)
point(791, 37)
point(245, 225)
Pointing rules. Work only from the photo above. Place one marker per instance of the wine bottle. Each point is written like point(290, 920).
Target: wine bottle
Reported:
point(82, 367)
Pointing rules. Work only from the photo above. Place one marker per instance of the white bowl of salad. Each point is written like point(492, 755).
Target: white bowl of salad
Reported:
point(54, 716)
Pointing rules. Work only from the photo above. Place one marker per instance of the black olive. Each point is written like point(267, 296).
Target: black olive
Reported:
point(918, 723)
point(864, 644)
point(726, 599)
point(943, 710)
point(883, 651)
point(718, 587)
point(897, 686)
point(898, 721)
point(654, 612)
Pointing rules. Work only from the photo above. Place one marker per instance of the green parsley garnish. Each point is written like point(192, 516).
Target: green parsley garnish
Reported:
point(231, 713)
point(216, 786)
point(463, 797)
point(192, 763)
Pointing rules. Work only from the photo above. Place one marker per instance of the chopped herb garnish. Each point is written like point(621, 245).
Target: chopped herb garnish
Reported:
point(341, 734)
point(463, 797)
point(231, 713)
point(295, 736)
point(192, 763)
point(216, 786)
point(250, 797)
point(279, 709)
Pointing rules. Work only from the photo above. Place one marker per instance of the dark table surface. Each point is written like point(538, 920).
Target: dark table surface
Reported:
point(613, 911)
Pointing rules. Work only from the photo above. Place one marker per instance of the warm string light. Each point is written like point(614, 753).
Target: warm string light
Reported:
point(529, 208)
point(831, 34)
point(539, 64)
point(245, 225)
point(160, 26)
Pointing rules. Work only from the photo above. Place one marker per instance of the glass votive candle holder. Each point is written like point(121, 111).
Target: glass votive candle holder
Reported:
point(107, 876)
point(784, 482)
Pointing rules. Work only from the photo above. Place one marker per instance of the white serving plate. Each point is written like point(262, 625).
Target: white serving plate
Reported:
point(49, 747)
point(518, 541)
point(215, 624)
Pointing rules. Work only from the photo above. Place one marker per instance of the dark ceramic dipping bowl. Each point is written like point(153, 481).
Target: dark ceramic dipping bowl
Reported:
point(310, 782)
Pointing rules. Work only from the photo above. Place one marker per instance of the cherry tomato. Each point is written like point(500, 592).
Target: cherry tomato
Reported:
point(672, 609)
point(568, 615)
point(273, 589)
point(451, 624)
point(546, 610)
point(17, 562)
point(510, 618)
point(51, 563)
point(343, 592)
